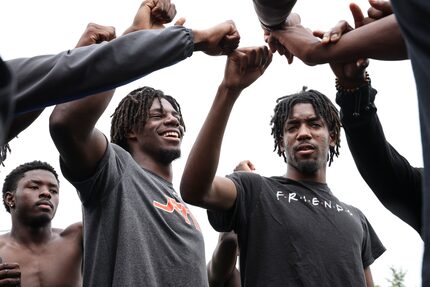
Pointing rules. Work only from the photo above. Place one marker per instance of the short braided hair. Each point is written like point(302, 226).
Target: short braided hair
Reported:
point(323, 107)
point(133, 112)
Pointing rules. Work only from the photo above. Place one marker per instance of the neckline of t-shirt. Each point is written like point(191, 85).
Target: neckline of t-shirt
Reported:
point(315, 185)
point(159, 177)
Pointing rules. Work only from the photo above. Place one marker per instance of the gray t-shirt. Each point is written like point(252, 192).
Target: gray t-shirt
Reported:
point(137, 231)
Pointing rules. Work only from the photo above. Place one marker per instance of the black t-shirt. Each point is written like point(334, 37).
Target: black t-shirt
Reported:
point(297, 234)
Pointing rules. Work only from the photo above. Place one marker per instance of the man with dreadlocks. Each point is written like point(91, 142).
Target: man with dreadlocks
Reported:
point(138, 232)
point(291, 229)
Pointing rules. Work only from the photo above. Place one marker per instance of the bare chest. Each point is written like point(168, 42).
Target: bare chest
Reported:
point(55, 264)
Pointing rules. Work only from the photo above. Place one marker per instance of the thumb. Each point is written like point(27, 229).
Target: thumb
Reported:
point(180, 21)
point(381, 5)
point(357, 14)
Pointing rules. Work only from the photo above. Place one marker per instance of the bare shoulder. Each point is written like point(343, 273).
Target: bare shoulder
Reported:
point(4, 239)
point(73, 230)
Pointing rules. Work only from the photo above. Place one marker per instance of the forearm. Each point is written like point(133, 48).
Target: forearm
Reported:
point(48, 80)
point(380, 40)
point(223, 262)
point(378, 162)
point(387, 173)
point(202, 163)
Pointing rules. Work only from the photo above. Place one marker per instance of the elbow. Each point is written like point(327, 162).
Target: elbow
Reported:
point(58, 125)
point(189, 194)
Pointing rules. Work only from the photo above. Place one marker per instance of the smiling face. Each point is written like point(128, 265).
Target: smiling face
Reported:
point(35, 199)
point(162, 134)
point(306, 140)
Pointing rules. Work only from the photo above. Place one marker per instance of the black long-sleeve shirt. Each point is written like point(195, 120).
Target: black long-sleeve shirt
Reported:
point(390, 176)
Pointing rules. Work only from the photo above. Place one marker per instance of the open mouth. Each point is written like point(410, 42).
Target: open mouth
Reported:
point(305, 147)
point(171, 134)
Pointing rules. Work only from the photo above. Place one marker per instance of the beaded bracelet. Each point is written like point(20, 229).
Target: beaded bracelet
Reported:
point(341, 89)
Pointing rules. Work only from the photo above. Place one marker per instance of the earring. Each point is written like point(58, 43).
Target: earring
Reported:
point(12, 205)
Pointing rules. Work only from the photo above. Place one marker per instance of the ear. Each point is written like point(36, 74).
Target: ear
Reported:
point(281, 145)
point(9, 199)
point(332, 141)
point(131, 135)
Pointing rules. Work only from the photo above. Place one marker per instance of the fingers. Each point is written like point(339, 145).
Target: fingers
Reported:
point(180, 21)
point(257, 57)
point(229, 43)
point(334, 34)
point(245, 165)
point(273, 43)
point(276, 46)
point(10, 274)
point(231, 39)
point(318, 33)
point(163, 11)
point(380, 7)
point(357, 14)
point(95, 34)
point(362, 64)
point(293, 19)
point(356, 71)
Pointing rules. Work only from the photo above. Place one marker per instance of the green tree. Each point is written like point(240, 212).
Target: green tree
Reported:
point(397, 278)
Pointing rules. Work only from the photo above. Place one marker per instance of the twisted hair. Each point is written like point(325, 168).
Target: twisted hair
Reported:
point(3, 153)
point(323, 107)
point(133, 112)
point(11, 180)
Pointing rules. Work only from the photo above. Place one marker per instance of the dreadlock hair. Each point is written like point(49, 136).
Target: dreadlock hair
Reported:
point(3, 153)
point(133, 112)
point(323, 107)
point(11, 180)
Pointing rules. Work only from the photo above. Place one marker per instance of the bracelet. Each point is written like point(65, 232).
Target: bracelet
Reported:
point(340, 88)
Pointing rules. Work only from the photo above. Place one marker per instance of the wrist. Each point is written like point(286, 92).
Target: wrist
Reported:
point(351, 85)
point(356, 103)
point(231, 91)
point(199, 39)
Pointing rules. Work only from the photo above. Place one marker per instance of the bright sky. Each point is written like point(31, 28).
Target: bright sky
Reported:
point(30, 28)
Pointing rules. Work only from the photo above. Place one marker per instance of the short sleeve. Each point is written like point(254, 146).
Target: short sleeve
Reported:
point(372, 246)
point(108, 173)
point(248, 185)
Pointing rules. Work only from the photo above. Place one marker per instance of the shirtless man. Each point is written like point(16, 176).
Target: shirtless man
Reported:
point(35, 254)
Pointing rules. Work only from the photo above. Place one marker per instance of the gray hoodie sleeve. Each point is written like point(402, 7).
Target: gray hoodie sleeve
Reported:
point(52, 79)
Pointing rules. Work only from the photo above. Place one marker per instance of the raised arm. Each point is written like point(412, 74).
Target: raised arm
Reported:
point(390, 176)
point(72, 124)
point(199, 185)
point(379, 39)
point(93, 34)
